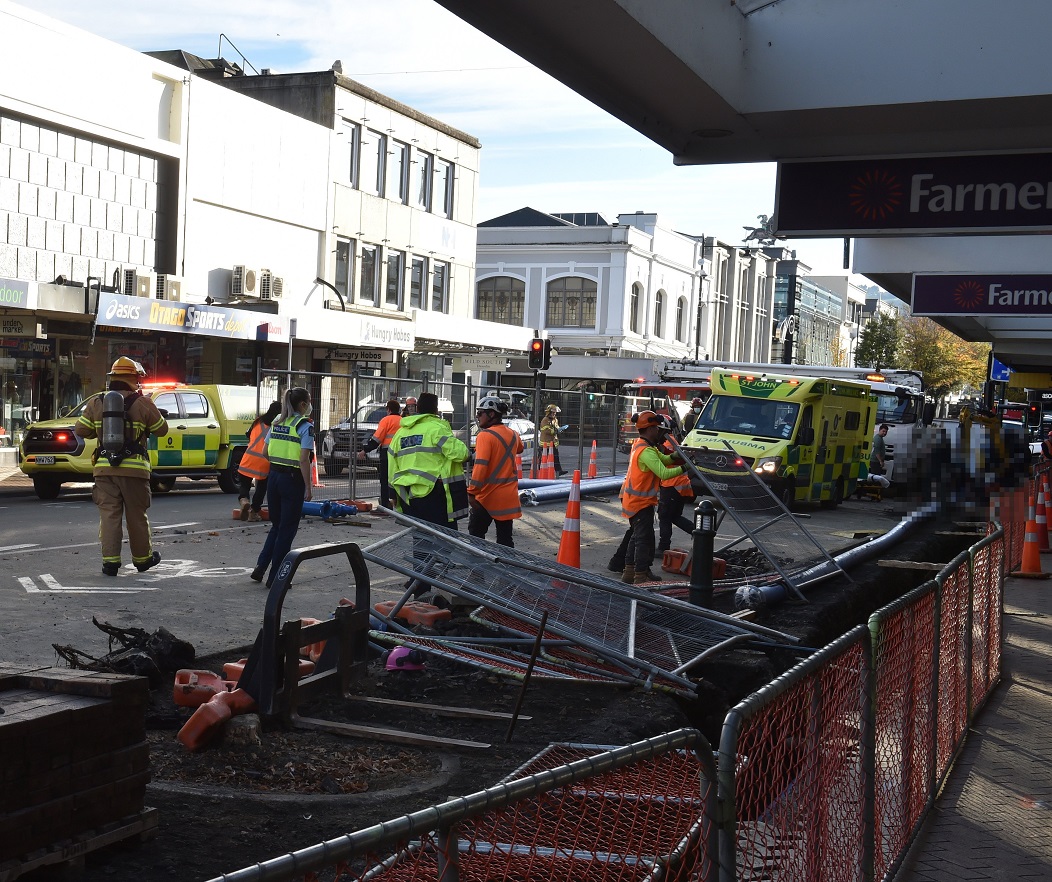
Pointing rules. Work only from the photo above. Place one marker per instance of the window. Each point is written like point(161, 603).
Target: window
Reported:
point(395, 282)
point(167, 402)
point(422, 179)
point(633, 307)
point(501, 299)
point(571, 303)
point(372, 162)
point(440, 286)
point(398, 172)
point(352, 137)
point(681, 320)
point(344, 267)
point(443, 203)
point(659, 314)
point(416, 283)
point(369, 284)
point(195, 405)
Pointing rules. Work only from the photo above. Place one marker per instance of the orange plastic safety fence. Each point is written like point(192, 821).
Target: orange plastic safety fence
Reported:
point(904, 669)
point(953, 667)
point(799, 788)
point(987, 586)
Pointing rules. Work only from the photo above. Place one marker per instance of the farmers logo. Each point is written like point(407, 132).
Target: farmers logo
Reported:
point(968, 295)
point(876, 194)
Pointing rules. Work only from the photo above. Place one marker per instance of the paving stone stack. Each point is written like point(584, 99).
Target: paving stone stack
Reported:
point(73, 754)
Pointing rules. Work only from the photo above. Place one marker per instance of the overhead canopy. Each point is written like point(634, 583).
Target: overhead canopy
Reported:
point(719, 81)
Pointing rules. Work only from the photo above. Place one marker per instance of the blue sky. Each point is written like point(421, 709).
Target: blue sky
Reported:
point(542, 144)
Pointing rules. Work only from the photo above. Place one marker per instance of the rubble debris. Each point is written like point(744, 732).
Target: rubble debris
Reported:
point(141, 653)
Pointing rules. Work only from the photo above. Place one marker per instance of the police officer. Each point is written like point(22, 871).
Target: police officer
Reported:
point(122, 483)
point(647, 467)
point(290, 449)
point(428, 467)
point(493, 490)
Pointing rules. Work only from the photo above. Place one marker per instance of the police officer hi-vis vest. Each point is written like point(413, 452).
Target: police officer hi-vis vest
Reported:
point(283, 448)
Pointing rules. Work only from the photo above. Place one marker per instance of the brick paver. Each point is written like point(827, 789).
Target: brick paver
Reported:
point(994, 818)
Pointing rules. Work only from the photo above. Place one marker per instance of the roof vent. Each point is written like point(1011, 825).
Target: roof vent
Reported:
point(265, 72)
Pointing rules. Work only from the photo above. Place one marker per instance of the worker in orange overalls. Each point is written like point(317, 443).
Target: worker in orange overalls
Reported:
point(385, 431)
point(493, 490)
point(254, 466)
point(674, 494)
point(647, 468)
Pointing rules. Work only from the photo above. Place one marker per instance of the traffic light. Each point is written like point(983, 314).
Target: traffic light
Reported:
point(539, 356)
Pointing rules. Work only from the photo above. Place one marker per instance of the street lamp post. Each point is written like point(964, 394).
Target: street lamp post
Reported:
point(702, 277)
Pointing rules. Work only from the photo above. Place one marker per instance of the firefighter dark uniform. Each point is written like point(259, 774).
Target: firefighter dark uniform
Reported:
point(428, 468)
point(493, 488)
point(122, 491)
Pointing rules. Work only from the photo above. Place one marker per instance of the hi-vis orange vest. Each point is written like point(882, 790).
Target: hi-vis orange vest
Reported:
point(680, 482)
point(254, 462)
point(386, 428)
point(640, 489)
point(494, 479)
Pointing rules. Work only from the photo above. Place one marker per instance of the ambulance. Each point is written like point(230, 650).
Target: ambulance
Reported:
point(807, 438)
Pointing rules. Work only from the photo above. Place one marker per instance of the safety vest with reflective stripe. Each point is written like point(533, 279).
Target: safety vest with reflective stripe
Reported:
point(646, 469)
point(386, 428)
point(283, 447)
point(494, 479)
point(681, 482)
point(423, 452)
point(254, 462)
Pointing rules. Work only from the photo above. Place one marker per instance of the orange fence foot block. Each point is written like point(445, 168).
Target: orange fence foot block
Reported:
point(416, 612)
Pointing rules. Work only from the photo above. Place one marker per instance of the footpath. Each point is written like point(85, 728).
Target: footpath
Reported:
point(994, 817)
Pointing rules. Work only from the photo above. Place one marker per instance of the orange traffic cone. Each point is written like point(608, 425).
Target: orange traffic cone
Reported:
point(1031, 566)
point(547, 464)
point(518, 466)
point(1048, 511)
point(593, 467)
point(314, 482)
point(570, 543)
point(1041, 519)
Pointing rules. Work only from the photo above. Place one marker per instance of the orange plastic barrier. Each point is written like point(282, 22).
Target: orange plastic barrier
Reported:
point(312, 651)
point(193, 688)
point(416, 612)
point(232, 670)
point(264, 514)
point(672, 562)
point(208, 720)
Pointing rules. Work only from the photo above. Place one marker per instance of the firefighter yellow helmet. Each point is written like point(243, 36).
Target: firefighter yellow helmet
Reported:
point(127, 370)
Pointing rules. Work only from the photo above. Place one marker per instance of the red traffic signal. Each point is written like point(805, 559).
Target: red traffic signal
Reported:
point(539, 354)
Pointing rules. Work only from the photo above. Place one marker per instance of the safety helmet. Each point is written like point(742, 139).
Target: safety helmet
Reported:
point(492, 402)
point(402, 658)
point(553, 408)
point(648, 419)
point(696, 402)
point(128, 370)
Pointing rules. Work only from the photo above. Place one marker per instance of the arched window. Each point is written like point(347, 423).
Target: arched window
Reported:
point(659, 313)
point(633, 307)
point(501, 299)
point(681, 320)
point(571, 303)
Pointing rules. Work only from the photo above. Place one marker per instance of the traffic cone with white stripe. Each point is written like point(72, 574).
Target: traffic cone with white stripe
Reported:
point(518, 466)
point(314, 482)
point(548, 464)
point(1031, 566)
point(593, 467)
point(1048, 507)
point(570, 543)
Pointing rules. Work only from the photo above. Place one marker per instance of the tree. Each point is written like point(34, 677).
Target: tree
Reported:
point(878, 342)
point(947, 362)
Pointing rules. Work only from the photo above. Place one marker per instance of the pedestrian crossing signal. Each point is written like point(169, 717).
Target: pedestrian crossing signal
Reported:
point(539, 354)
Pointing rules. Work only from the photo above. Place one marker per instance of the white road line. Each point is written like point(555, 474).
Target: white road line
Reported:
point(52, 586)
point(172, 526)
point(17, 547)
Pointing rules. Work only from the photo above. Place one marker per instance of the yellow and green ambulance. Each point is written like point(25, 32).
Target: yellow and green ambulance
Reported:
point(806, 437)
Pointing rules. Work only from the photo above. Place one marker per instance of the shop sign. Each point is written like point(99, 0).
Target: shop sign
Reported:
point(482, 363)
point(14, 294)
point(980, 295)
point(915, 194)
point(124, 311)
point(15, 347)
point(18, 326)
point(384, 355)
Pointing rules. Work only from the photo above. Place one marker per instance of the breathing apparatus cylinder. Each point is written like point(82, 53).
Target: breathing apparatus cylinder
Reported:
point(111, 439)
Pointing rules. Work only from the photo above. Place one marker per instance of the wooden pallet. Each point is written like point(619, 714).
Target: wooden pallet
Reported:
point(71, 852)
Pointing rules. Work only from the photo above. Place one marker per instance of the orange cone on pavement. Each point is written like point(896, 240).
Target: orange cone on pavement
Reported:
point(593, 467)
point(547, 464)
point(570, 543)
point(518, 466)
point(1048, 509)
point(1041, 519)
point(1031, 566)
point(314, 482)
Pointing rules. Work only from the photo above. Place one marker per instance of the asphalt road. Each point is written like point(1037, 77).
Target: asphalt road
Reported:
point(51, 582)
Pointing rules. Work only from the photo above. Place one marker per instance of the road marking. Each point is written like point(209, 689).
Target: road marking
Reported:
point(52, 586)
point(17, 547)
point(172, 526)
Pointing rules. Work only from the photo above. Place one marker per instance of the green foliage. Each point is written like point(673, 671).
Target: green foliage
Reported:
point(947, 362)
point(878, 343)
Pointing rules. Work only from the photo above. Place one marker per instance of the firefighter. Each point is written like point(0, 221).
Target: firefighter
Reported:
point(290, 449)
point(427, 474)
point(122, 480)
point(493, 490)
point(549, 432)
point(647, 467)
point(385, 431)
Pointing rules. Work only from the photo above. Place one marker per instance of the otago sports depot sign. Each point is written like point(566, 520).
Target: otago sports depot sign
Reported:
point(144, 314)
point(935, 194)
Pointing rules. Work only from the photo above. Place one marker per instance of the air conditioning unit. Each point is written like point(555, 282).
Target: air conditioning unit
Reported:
point(243, 282)
point(266, 285)
point(170, 289)
point(143, 286)
point(277, 287)
point(128, 284)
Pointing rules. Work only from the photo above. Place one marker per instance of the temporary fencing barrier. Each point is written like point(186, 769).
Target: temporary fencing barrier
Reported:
point(826, 773)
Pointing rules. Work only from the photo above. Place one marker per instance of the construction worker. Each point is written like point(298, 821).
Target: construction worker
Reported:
point(254, 466)
point(493, 490)
point(673, 495)
point(122, 480)
point(410, 406)
point(385, 431)
point(647, 467)
point(427, 474)
point(290, 449)
point(550, 430)
point(691, 419)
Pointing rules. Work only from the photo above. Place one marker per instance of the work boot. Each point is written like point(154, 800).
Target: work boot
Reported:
point(254, 516)
point(146, 564)
point(258, 573)
point(644, 576)
point(616, 565)
point(628, 575)
point(244, 509)
point(111, 569)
